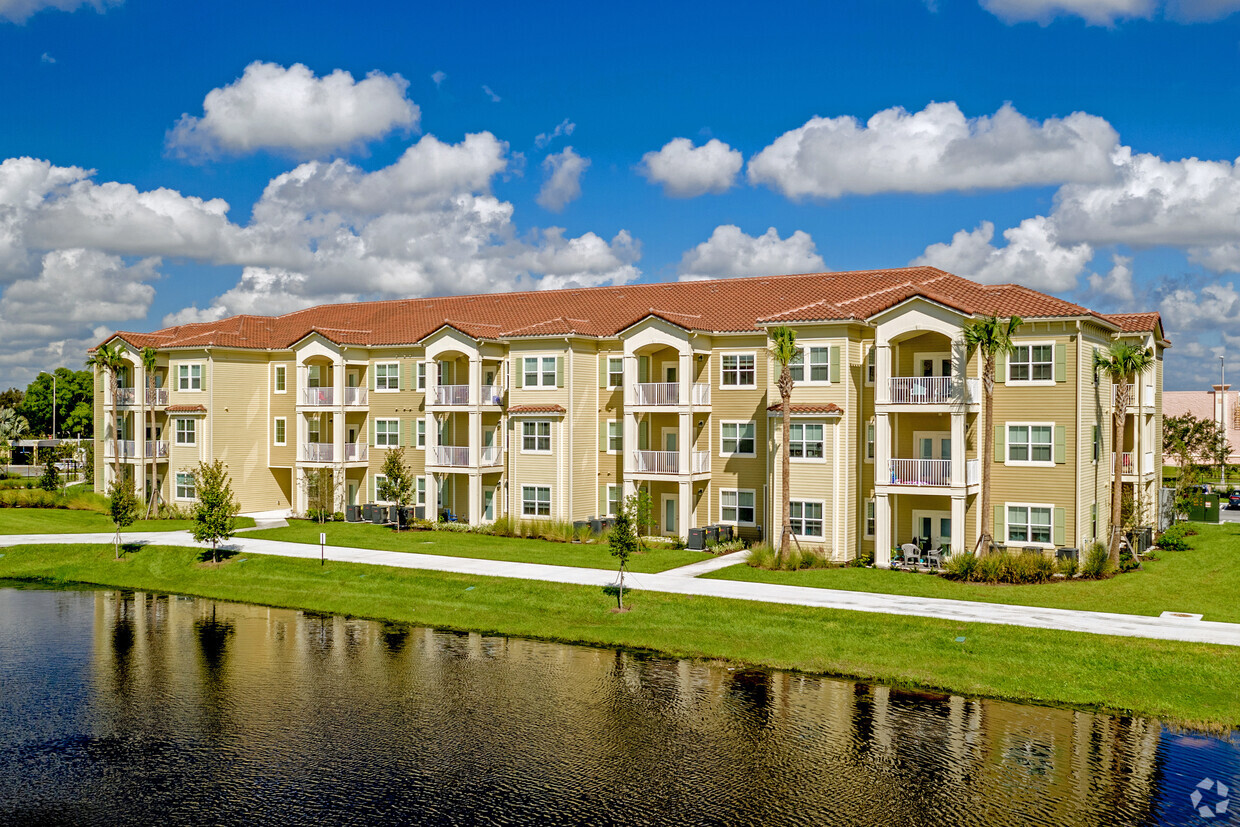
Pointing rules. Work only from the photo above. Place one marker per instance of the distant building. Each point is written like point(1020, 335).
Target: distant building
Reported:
point(1219, 404)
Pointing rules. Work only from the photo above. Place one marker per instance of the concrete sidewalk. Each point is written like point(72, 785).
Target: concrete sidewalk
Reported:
point(964, 611)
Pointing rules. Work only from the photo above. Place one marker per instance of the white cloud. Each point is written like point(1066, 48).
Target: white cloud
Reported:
point(1116, 286)
point(487, 91)
point(271, 107)
point(730, 252)
point(19, 11)
point(564, 127)
point(686, 171)
point(935, 150)
point(46, 58)
point(439, 76)
point(1109, 12)
point(562, 182)
point(1033, 257)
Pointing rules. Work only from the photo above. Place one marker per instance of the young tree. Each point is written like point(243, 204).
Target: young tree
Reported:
point(991, 337)
point(216, 510)
point(784, 352)
point(108, 359)
point(50, 480)
point(122, 506)
point(149, 356)
point(323, 486)
point(1182, 438)
point(640, 507)
point(397, 485)
point(622, 541)
point(1122, 361)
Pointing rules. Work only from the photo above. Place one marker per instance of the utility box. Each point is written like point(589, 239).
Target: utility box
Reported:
point(1202, 507)
point(368, 511)
point(697, 539)
point(1068, 554)
point(379, 515)
point(353, 513)
point(712, 534)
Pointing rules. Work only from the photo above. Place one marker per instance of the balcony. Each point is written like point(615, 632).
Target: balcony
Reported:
point(1145, 400)
point(157, 397)
point(157, 448)
point(491, 455)
point(126, 396)
point(355, 452)
point(128, 449)
point(492, 395)
point(317, 452)
point(667, 462)
point(659, 394)
point(354, 396)
point(934, 390)
point(1128, 463)
point(318, 398)
point(451, 395)
point(920, 471)
point(453, 456)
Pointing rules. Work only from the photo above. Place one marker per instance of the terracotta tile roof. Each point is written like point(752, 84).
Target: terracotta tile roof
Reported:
point(185, 409)
point(529, 409)
point(718, 305)
point(829, 408)
point(1137, 322)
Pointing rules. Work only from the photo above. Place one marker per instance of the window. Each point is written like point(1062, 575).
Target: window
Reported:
point(380, 481)
point(1030, 443)
point(738, 438)
point(1032, 363)
point(387, 376)
point(737, 507)
point(805, 440)
point(1029, 524)
point(615, 438)
point(536, 500)
point(189, 377)
point(805, 517)
point(613, 500)
point(421, 433)
point(871, 369)
point(739, 371)
point(869, 442)
point(185, 486)
point(421, 488)
point(540, 371)
point(421, 376)
point(185, 431)
point(536, 436)
point(819, 365)
point(870, 520)
point(281, 379)
point(280, 427)
point(387, 433)
point(615, 371)
point(1098, 441)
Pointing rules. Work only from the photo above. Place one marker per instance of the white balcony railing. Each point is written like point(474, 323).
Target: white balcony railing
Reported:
point(318, 397)
point(656, 393)
point(456, 456)
point(452, 394)
point(317, 452)
point(1127, 462)
point(701, 462)
point(701, 393)
point(973, 472)
point(933, 390)
point(157, 448)
point(921, 471)
point(157, 397)
point(355, 452)
point(355, 396)
point(666, 462)
point(490, 455)
point(128, 449)
point(1149, 462)
point(1147, 396)
point(126, 396)
point(492, 395)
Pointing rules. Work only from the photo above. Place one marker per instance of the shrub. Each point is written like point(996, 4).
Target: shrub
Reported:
point(763, 556)
point(50, 481)
point(1097, 563)
point(960, 566)
point(1068, 567)
point(1001, 567)
point(1174, 538)
point(1127, 560)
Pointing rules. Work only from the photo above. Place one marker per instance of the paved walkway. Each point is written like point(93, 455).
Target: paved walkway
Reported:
point(1100, 623)
point(708, 565)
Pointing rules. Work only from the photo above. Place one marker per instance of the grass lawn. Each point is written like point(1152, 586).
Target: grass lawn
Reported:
point(70, 521)
point(1205, 580)
point(1181, 682)
point(481, 546)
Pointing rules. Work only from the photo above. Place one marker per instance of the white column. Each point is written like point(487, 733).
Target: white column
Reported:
point(432, 382)
point(475, 498)
point(432, 496)
point(630, 377)
point(337, 420)
point(882, 531)
point(882, 373)
point(475, 384)
point(684, 504)
point(684, 373)
point(475, 435)
point(958, 453)
point(432, 435)
point(684, 442)
point(958, 538)
point(882, 449)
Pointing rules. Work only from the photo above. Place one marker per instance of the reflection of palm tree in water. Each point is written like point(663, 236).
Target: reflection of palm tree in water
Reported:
point(213, 637)
point(124, 635)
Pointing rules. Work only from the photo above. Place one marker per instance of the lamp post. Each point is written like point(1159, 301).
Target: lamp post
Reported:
point(53, 405)
point(1222, 412)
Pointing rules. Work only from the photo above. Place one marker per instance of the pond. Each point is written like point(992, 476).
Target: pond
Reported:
point(122, 707)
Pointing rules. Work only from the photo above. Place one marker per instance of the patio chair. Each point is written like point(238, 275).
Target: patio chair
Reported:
point(935, 558)
point(448, 517)
point(912, 554)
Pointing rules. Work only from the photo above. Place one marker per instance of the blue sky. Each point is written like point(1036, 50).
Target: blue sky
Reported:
point(163, 162)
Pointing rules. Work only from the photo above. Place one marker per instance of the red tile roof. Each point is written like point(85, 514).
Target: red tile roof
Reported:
point(718, 305)
point(1137, 322)
point(185, 409)
point(530, 409)
point(829, 408)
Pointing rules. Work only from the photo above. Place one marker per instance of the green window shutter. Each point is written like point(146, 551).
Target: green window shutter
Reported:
point(373, 444)
point(1000, 367)
point(371, 370)
point(602, 371)
point(398, 376)
point(1061, 447)
point(413, 376)
point(602, 436)
point(1000, 443)
point(374, 489)
point(835, 363)
point(518, 367)
point(643, 369)
point(1061, 363)
point(413, 433)
point(643, 435)
point(398, 432)
point(559, 371)
point(1000, 531)
point(602, 500)
point(1059, 518)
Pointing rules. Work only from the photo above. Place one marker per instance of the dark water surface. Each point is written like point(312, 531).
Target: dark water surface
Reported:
point(134, 708)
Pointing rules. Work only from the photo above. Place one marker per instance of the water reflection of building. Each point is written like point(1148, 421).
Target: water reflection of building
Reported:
point(470, 716)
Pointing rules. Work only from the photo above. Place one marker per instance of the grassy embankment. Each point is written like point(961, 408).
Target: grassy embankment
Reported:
point(81, 521)
point(1185, 683)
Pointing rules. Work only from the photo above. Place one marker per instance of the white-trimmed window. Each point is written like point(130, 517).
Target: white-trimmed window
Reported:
point(737, 506)
point(738, 439)
point(739, 371)
point(539, 371)
point(1030, 443)
point(280, 431)
point(871, 510)
point(387, 376)
point(1032, 363)
point(1029, 523)
point(805, 441)
point(421, 430)
point(421, 489)
point(421, 376)
point(869, 441)
point(185, 431)
point(805, 517)
point(281, 379)
point(819, 368)
point(613, 500)
point(536, 436)
point(380, 481)
point(871, 365)
point(186, 489)
point(615, 371)
point(387, 433)
point(536, 501)
point(615, 437)
point(189, 377)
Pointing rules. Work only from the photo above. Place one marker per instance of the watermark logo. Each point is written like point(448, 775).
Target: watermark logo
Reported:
point(1210, 798)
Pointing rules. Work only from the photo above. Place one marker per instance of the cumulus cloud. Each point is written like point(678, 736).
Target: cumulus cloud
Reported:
point(562, 182)
point(686, 171)
point(1109, 12)
point(439, 76)
point(486, 90)
point(1115, 287)
point(19, 11)
point(935, 150)
point(1032, 257)
point(731, 252)
point(564, 127)
point(289, 109)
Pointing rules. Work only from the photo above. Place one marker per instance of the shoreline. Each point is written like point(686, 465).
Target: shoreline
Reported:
point(1175, 683)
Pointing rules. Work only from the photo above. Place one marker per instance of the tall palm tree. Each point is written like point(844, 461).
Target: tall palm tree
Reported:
point(107, 358)
point(149, 355)
point(991, 336)
point(1122, 361)
point(784, 352)
point(12, 426)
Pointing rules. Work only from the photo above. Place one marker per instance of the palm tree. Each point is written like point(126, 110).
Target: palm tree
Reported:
point(149, 355)
point(12, 426)
point(991, 336)
point(784, 352)
point(108, 358)
point(1122, 361)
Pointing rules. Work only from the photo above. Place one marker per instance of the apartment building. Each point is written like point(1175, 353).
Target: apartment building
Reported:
point(560, 404)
